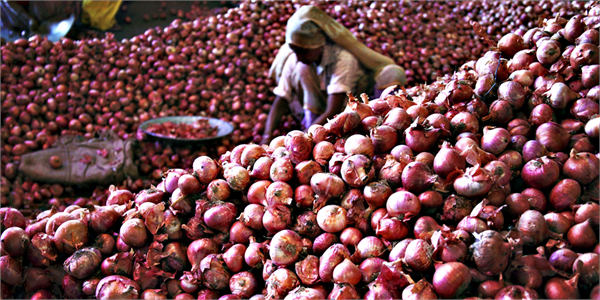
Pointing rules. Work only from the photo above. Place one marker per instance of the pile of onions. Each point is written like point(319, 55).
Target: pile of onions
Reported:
point(434, 182)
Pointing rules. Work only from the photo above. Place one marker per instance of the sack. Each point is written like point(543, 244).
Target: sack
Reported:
point(101, 161)
point(100, 14)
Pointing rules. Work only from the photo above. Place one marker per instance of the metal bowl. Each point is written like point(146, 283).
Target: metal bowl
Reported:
point(225, 128)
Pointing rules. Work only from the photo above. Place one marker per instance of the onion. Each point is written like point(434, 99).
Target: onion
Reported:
point(326, 186)
point(398, 119)
point(558, 288)
point(456, 208)
point(447, 160)
point(243, 284)
point(359, 144)
point(234, 257)
point(527, 276)
point(540, 173)
point(255, 254)
point(285, 247)
point(261, 168)
point(282, 169)
point(218, 190)
point(474, 182)
point(308, 270)
point(279, 193)
point(491, 253)
point(304, 197)
point(421, 138)
point(304, 293)
point(584, 54)
point(117, 286)
point(582, 236)
point(83, 262)
point(391, 171)
point(323, 242)
point(565, 194)
point(346, 272)
point(533, 228)
point(350, 237)
point(357, 170)
point(495, 140)
point(417, 177)
point(277, 218)
point(586, 265)
point(11, 270)
point(332, 218)
point(343, 291)
point(220, 217)
point(403, 205)
point(419, 255)
point(322, 152)
point(489, 288)
point(71, 235)
point(563, 259)
point(587, 211)
point(214, 272)
point(118, 264)
point(280, 283)
point(253, 215)
point(305, 170)
point(384, 138)
point(14, 241)
point(451, 279)
point(548, 51)
point(516, 292)
point(206, 169)
point(118, 197)
point(198, 250)
point(299, 145)
point(391, 229)
point(237, 177)
point(420, 290)
point(370, 247)
point(582, 167)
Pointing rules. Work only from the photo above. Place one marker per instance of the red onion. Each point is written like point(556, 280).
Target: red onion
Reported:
point(134, 233)
point(391, 171)
point(489, 288)
point(237, 177)
point(420, 290)
point(220, 217)
point(326, 186)
point(417, 177)
point(118, 264)
point(418, 256)
point(11, 270)
point(548, 51)
point(304, 197)
point(370, 247)
point(218, 190)
point(214, 272)
point(346, 272)
point(118, 197)
point(533, 228)
point(540, 173)
point(117, 286)
point(285, 247)
point(456, 208)
point(500, 112)
point(308, 270)
point(323, 242)
point(277, 218)
point(261, 168)
point(357, 170)
point(447, 160)
point(557, 222)
point(475, 182)
point(10, 217)
point(586, 265)
point(343, 291)
point(491, 253)
point(300, 146)
point(582, 236)
point(527, 276)
point(304, 293)
point(280, 283)
point(253, 215)
point(240, 233)
point(14, 241)
point(350, 237)
point(234, 257)
point(558, 288)
point(255, 254)
point(472, 225)
point(403, 205)
point(584, 54)
point(282, 169)
point(494, 140)
point(71, 235)
point(420, 137)
point(243, 284)
point(83, 263)
point(332, 218)
point(359, 144)
point(279, 193)
point(383, 138)
point(563, 259)
point(451, 279)
point(582, 167)
point(198, 250)
point(391, 229)
point(516, 292)
point(565, 194)
point(206, 169)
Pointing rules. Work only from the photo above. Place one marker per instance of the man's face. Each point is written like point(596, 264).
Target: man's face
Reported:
point(308, 56)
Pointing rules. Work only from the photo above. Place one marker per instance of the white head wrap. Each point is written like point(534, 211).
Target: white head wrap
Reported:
point(304, 34)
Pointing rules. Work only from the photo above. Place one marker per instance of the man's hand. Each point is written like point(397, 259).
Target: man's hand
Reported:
point(335, 103)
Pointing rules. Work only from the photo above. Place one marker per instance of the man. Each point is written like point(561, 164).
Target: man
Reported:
point(320, 62)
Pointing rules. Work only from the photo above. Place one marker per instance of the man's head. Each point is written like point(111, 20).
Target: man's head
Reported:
point(306, 39)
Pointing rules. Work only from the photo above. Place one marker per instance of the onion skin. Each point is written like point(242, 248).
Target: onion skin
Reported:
point(308, 270)
point(334, 255)
point(516, 292)
point(285, 248)
point(451, 279)
point(117, 286)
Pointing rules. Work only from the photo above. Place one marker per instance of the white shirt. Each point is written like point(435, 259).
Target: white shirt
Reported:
point(338, 72)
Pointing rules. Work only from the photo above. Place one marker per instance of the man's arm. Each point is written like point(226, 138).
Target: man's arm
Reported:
point(280, 107)
point(335, 103)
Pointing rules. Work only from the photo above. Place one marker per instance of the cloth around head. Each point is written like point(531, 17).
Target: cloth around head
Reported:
point(390, 75)
point(304, 34)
